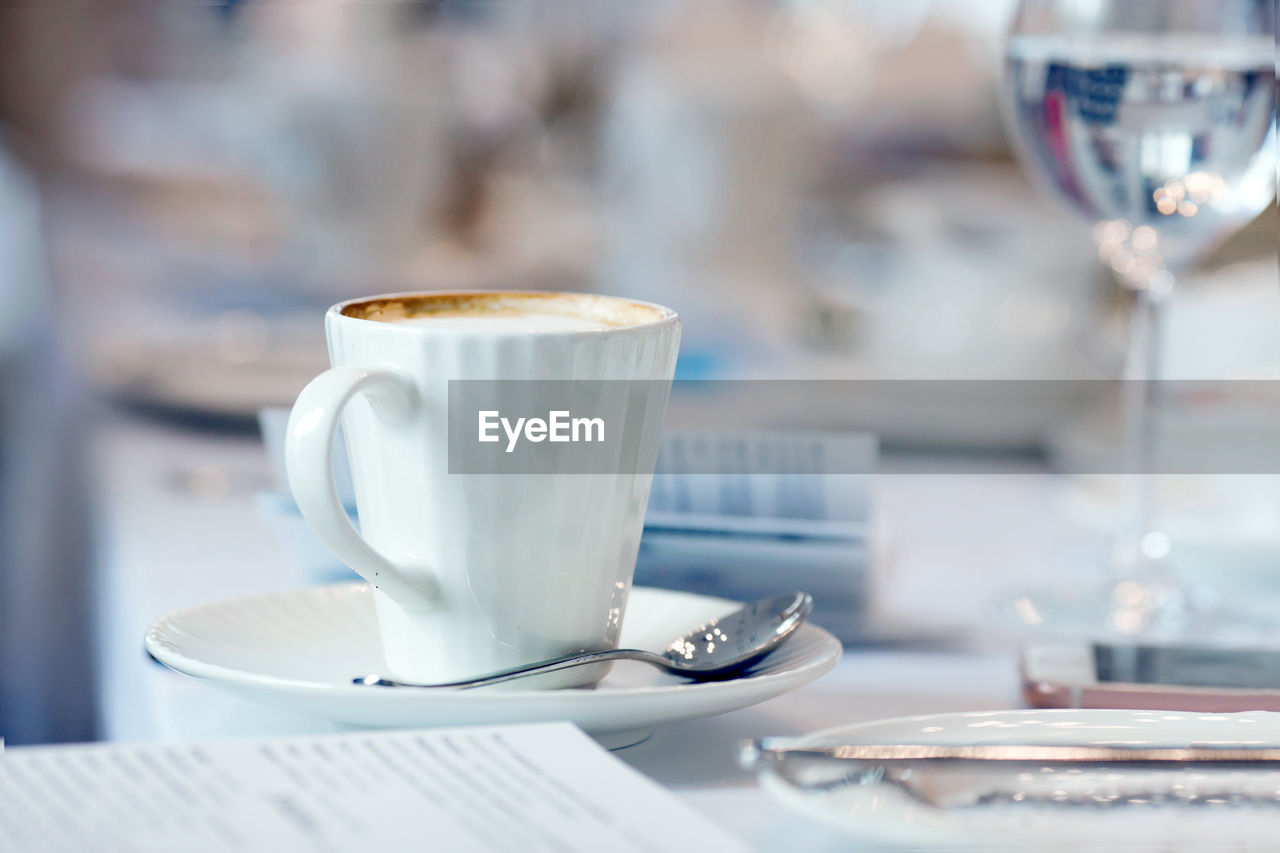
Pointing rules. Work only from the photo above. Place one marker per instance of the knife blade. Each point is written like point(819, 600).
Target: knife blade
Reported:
point(776, 748)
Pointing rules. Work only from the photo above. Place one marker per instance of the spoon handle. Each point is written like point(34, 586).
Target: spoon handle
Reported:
point(526, 670)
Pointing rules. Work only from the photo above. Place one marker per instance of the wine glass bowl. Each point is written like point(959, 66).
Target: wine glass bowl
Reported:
point(1152, 121)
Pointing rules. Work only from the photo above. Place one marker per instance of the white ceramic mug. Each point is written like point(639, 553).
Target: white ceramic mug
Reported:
point(477, 572)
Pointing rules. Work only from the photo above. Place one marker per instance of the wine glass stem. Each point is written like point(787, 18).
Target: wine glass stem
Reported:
point(1135, 546)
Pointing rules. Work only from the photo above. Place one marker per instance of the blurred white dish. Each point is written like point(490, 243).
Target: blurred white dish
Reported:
point(884, 815)
point(299, 650)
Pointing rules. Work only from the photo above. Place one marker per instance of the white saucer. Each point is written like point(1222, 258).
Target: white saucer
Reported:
point(881, 815)
point(299, 650)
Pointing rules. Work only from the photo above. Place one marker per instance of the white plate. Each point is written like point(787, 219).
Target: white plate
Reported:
point(299, 650)
point(881, 814)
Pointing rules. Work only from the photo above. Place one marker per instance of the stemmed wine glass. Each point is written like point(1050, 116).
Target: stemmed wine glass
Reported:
point(1155, 121)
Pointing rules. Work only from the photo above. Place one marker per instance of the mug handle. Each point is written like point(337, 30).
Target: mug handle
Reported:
point(308, 455)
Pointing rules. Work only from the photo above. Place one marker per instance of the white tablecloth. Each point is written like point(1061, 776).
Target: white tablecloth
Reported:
point(178, 528)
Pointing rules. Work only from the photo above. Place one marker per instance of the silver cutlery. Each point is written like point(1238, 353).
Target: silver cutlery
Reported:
point(945, 776)
point(779, 749)
point(719, 649)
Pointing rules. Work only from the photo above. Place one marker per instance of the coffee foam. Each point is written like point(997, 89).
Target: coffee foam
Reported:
point(530, 312)
point(513, 322)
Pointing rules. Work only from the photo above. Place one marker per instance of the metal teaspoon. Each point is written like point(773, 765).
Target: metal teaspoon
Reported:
point(719, 649)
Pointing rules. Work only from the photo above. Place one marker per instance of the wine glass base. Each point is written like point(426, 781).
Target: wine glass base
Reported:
point(1137, 610)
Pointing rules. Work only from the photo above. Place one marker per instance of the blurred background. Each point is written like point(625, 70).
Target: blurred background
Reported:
point(822, 188)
